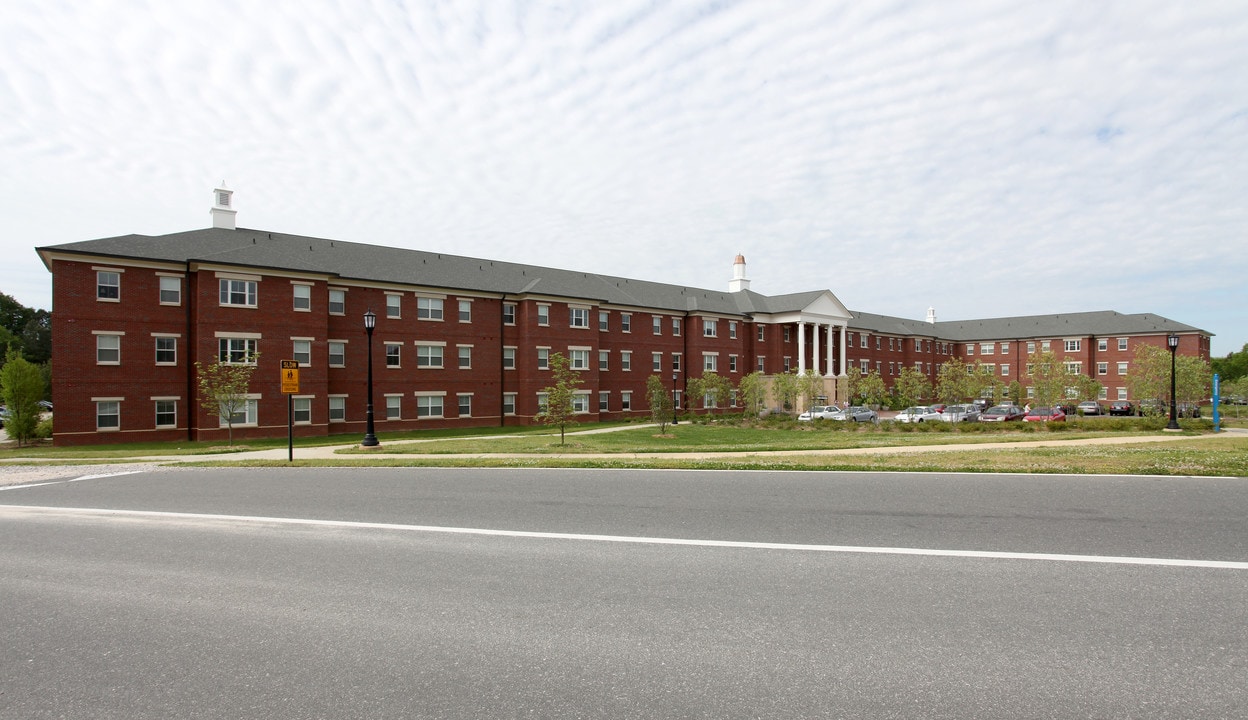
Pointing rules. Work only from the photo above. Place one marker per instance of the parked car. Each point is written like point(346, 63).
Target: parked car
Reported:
point(938, 407)
point(1121, 407)
point(960, 413)
point(858, 413)
point(1152, 406)
point(917, 414)
point(820, 412)
point(1002, 413)
point(1187, 410)
point(982, 404)
point(1091, 407)
point(1045, 414)
point(4, 415)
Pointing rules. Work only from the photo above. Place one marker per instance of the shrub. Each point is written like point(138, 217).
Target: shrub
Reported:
point(43, 430)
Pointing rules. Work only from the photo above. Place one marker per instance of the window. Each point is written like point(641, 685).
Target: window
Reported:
point(1031, 369)
point(603, 357)
point(578, 358)
point(970, 369)
point(864, 366)
point(301, 410)
point(788, 335)
point(1031, 348)
point(676, 362)
point(245, 414)
point(626, 360)
point(626, 322)
point(1103, 393)
point(465, 357)
point(302, 297)
point(428, 308)
point(108, 349)
point(1122, 393)
point(541, 401)
point(918, 346)
point(337, 409)
point(677, 397)
point(762, 364)
point(987, 348)
point(1122, 368)
point(543, 314)
point(862, 338)
point(604, 400)
point(732, 363)
point(877, 342)
point(337, 353)
point(428, 356)
point(1102, 368)
point(732, 329)
point(676, 327)
point(107, 285)
point(1005, 348)
point(788, 363)
point(170, 290)
point(710, 328)
point(236, 351)
point(1122, 343)
point(166, 350)
point(240, 293)
point(465, 311)
point(1031, 391)
point(892, 369)
point(578, 317)
point(658, 325)
point(890, 344)
point(580, 402)
point(543, 358)
point(656, 362)
point(509, 313)
point(107, 415)
point(1073, 345)
point(509, 358)
point(1046, 345)
point(1074, 368)
point(1005, 369)
point(394, 305)
point(708, 400)
point(337, 302)
point(1102, 345)
point(393, 355)
point(509, 403)
point(626, 399)
point(302, 352)
point(604, 321)
point(760, 333)
point(166, 413)
point(394, 407)
point(970, 348)
point(710, 362)
point(464, 401)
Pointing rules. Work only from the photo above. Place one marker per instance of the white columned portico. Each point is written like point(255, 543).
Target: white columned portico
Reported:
point(801, 347)
point(814, 351)
point(828, 361)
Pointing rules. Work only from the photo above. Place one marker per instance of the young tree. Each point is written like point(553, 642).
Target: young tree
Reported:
point(223, 388)
point(785, 389)
point(1149, 374)
point(712, 389)
point(866, 389)
point(810, 387)
point(1049, 378)
point(953, 380)
point(21, 384)
point(753, 390)
point(559, 408)
point(1193, 379)
point(912, 386)
point(661, 402)
point(1233, 366)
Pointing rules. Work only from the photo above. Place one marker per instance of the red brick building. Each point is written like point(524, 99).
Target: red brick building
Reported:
point(462, 341)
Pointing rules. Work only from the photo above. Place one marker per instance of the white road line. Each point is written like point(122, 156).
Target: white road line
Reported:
point(857, 549)
point(70, 480)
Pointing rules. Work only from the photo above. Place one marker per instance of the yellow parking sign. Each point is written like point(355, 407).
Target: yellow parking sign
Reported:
point(290, 377)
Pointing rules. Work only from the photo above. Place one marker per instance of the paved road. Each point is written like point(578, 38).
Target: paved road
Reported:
point(302, 593)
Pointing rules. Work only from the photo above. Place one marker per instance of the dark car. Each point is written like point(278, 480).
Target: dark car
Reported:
point(1153, 406)
point(1187, 410)
point(1121, 407)
point(1002, 413)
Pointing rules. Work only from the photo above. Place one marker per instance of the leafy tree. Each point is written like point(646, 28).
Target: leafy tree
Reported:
point(21, 384)
point(32, 328)
point(953, 380)
point(559, 408)
point(1233, 366)
point(1149, 374)
point(810, 386)
point(661, 402)
point(223, 388)
point(866, 389)
point(911, 386)
point(1193, 378)
point(711, 386)
point(753, 391)
point(1049, 378)
point(785, 389)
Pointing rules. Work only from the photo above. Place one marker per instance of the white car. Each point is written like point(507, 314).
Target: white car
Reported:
point(917, 414)
point(820, 412)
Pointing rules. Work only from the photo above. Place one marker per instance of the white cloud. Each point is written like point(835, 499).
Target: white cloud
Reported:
point(988, 159)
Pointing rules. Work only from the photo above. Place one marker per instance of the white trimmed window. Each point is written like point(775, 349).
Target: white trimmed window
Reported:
point(1074, 368)
point(170, 290)
point(1122, 345)
point(543, 314)
point(509, 403)
point(509, 358)
point(657, 325)
point(1122, 393)
point(604, 357)
point(394, 305)
point(107, 414)
point(465, 356)
point(394, 355)
point(1102, 345)
point(578, 317)
point(710, 362)
point(604, 321)
point(1005, 348)
point(245, 414)
point(1102, 368)
point(509, 313)
point(302, 297)
point(107, 285)
point(604, 400)
point(337, 302)
point(166, 350)
point(337, 408)
point(862, 338)
point(1122, 368)
point(543, 358)
point(626, 360)
point(428, 308)
point(578, 358)
point(626, 399)
point(237, 351)
point(656, 361)
point(732, 363)
point(710, 327)
point(1005, 369)
point(626, 322)
point(302, 352)
point(1073, 345)
point(238, 293)
point(760, 333)
point(337, 353)
point(301, 410)
point(987, 348)
point(394, 407)
point(676, 358)
point(580, 402)
point(108, 349)
point(428, 356)
point(464, 401)
point(166, 413)
point(465, 311)
point(732, 329)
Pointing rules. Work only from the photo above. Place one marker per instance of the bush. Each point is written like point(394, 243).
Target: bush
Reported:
point(43, 430)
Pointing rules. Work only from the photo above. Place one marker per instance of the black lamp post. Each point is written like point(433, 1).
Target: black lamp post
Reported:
point(674, 422)
point(370, 322)
point(1173, 342)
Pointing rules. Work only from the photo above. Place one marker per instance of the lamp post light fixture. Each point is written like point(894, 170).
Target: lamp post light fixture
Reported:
point(370, 437)
point(1173, 341)
point(674, 421)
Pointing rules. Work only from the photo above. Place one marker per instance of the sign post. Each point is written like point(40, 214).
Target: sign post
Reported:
point(290, 386)
point(1217, 396)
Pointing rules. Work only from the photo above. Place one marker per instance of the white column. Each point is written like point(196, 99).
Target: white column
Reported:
point(814, 351)
point(843, 363)
point(828, 361)
point(801, 347)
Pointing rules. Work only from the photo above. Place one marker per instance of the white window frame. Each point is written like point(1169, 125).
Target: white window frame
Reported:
point(394, 305)
point(245, 292)
point(626, 400)
point(108, 408)
point(509, 403)
point(108, 285)
point(465, 310)
point(337, 408)
point(710, 327)
point(337, 349)
point(626, 322)
point(1073, 345)
point(301, 297)
point(107, 347)
point(250, 413)
point(604, 359)
point(463, 405)
point(432, 309)
point(170, 406)
point(393, 405)
point(176, 290)
point(301, 405)
point(509, 357)
point(237, 350)
point(578, 317)
point(430, 356)
point(394, 351)
point(710, 362)
point(578, 358)
point(1122, 344)
point(301, 351)
point(543, 358)
point(509, 313)
point(543, 314)
point(626, 360)
point(337, 303)
point(464, 356)
point(604, 321)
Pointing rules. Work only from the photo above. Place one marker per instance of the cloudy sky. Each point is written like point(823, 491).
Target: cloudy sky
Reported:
point(983, 158)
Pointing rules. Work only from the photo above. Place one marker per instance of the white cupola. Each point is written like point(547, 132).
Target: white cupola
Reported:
point(223, 211)
point(739, 281)
point(931, 315)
